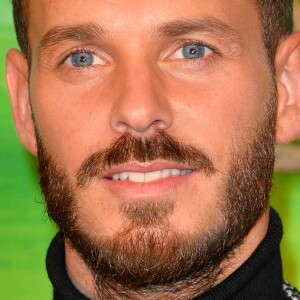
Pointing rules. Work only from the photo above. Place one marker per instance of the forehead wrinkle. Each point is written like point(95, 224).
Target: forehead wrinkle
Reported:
point(81, 32)
point(211, 26)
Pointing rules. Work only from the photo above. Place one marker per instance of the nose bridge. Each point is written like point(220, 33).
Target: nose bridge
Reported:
point(139, 80)
point(140, 104)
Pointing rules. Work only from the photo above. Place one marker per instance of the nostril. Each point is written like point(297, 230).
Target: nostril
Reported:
point(140, 127)
point(121, 127)
point(159, 124)
point(140, 116)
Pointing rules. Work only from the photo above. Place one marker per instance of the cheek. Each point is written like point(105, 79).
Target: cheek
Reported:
point(68, 119)
point(220, 113)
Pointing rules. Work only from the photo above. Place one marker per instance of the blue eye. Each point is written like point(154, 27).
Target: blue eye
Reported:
point(191, 51)
point(81, 59)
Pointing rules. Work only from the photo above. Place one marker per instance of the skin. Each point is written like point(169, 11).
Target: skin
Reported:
point(211, 103)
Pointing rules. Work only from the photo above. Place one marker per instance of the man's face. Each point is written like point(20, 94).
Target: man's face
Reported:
point(110, 80)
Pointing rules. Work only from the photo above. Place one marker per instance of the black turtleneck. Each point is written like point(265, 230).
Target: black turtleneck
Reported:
point(260, 277)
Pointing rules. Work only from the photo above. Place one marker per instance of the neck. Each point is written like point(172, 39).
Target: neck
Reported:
point(83, 279)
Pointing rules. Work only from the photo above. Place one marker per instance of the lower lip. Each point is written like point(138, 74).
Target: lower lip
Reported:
point(136, 191)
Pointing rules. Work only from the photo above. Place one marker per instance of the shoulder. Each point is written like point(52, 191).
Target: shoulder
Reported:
point(291, 292)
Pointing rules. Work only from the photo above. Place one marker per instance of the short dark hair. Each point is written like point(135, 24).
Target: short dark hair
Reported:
point(276, 19)
point(21, 19)
point(276, 22)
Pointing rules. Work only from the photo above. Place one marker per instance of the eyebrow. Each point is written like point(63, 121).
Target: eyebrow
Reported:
point(212, 26)
point(81, 32)
point(91, 31)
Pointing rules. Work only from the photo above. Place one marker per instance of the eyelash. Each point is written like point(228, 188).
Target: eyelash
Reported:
point(76, 51)
point(197, 61)
point(179, 44)
point(68, 70)
point(199, 42)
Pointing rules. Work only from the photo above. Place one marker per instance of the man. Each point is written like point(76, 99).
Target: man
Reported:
point(154, 125)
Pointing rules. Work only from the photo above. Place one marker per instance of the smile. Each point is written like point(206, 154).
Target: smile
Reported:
point(149, 176)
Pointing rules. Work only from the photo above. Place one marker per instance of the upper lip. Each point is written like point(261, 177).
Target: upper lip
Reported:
point(146, 167)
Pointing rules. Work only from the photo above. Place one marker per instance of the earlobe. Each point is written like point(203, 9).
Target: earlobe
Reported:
point(287, 66)
point(17, 82)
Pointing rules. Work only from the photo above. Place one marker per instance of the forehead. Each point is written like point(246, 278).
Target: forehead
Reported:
point(139, 17)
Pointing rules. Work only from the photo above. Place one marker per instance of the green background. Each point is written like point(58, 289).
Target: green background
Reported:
point(25, 231)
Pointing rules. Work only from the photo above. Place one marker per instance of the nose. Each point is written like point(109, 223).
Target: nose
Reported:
point(141, 106)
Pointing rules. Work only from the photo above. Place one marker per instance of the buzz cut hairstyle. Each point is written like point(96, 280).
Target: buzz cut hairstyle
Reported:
point(276, 23)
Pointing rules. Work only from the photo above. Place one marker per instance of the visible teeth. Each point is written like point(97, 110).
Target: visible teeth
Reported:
point(175, 172)
point(116, 177)
point(124, 175)
point(150, 176)
point(184, 172)
point(166, 173)
point(137, 177)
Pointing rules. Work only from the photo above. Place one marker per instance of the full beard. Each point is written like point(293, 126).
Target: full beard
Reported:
point(147, 256)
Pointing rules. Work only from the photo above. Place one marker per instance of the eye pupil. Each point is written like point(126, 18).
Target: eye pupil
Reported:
point(193, 50)
point(83, 59)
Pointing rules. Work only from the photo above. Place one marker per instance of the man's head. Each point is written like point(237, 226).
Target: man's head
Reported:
point(154, 124)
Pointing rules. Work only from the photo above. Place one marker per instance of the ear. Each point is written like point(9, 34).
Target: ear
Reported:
point(287, 64)
point(17, 81)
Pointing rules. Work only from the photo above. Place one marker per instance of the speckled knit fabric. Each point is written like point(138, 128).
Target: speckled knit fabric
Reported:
point(259, 278)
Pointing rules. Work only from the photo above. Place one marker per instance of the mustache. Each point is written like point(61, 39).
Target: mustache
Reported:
point(129, 148)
